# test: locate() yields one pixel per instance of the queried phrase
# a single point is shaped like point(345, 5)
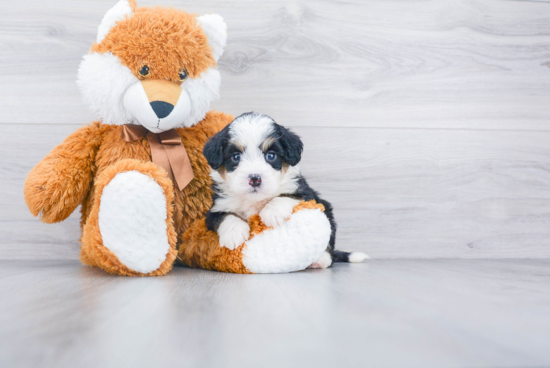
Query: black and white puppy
point(255, 170)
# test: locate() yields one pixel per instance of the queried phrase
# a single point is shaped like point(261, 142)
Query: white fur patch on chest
point(240, 205)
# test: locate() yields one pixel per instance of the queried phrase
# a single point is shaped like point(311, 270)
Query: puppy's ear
point(292, 145)
point(213, 149)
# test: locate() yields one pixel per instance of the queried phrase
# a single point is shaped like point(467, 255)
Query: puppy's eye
point(144, 71)
point(271, 156)
point(183, 75)
point(236, 157)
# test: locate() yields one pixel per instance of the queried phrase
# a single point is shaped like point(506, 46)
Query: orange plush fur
point(93, 251)
point(97, 151)
point(76, 171)
point(165, 39)
point(202, 248)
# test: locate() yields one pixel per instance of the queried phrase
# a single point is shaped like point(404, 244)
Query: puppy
point(255, 170)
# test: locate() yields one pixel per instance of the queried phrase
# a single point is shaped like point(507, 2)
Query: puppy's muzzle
point(254, 180)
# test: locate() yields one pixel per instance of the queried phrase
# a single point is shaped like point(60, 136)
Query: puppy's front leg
point(278, 210)
point(232, 231)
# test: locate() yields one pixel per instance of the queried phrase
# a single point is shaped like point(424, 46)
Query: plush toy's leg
point(291, 246)
point(129, 230)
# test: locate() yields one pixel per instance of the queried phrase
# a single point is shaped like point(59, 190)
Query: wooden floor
point(384, 313)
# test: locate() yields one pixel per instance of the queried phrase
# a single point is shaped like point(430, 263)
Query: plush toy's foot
point(292, 246)
point(130, 230)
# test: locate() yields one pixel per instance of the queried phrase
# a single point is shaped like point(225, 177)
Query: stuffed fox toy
point(138, 172)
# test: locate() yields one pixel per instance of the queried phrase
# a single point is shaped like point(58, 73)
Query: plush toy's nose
point(162, 109)
point(162, 95)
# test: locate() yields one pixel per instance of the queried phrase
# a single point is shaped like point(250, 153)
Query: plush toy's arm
point(57, 185)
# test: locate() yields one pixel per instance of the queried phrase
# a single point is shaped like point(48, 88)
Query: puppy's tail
point(352, 257)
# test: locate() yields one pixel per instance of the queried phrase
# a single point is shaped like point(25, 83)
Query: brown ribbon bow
point(167, 151)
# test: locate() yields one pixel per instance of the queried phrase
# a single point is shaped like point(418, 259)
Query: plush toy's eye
point(270, 156)
point(183, 75)
point(144, 71)
point(236, 157)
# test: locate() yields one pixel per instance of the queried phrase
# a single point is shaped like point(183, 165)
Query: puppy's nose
point(254, 180)
point(162, 109)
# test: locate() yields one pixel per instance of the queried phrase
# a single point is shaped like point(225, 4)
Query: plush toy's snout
point(162, 109)
point(158, 105)
point(162, 95)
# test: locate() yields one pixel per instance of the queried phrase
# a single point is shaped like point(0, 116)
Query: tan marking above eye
point(239, 145)
point(267, 143)
point(161, 90)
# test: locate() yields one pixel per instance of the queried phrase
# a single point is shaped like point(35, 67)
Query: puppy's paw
point(232, 232)
point(324, 261)
point(278, 210)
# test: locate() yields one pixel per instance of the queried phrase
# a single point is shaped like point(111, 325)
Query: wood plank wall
point(426, 123)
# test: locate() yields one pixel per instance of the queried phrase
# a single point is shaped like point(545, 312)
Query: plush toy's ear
point(213, 149)
point(215, 29)
point(116, 13)
point(292, 145)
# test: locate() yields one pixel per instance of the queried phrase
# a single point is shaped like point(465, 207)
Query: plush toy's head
point(153, 66)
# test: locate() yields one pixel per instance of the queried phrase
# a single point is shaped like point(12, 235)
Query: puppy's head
point(254, 157)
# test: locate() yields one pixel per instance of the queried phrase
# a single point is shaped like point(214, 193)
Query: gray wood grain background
point(426, 123)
